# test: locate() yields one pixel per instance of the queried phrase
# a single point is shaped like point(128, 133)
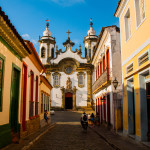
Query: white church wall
point(68, 54)
point(81, 94)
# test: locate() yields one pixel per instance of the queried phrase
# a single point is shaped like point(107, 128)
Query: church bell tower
point(90, 41)
point(46, 45)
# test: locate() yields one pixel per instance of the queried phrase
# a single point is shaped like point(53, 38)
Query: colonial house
point(45, 98)
point(134, 16)
point(30, 112)
point(107, 68)
point(12, 51)
point(69, 73)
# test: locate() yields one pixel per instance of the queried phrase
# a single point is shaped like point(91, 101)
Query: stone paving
point(67, 134)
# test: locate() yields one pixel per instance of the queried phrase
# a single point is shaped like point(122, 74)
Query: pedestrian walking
point(92, 119)
point(45, 116)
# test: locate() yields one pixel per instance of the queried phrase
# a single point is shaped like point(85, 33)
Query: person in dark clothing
point(92, 119)
point(45, 116)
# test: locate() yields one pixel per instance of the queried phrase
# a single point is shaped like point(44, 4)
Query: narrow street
point(68, 135)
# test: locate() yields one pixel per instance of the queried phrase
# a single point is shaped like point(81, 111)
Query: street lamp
point(115, 83)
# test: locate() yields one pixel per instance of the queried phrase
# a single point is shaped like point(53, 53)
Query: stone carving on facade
point(69, 84)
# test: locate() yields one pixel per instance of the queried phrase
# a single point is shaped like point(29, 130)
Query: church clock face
point(68, 70)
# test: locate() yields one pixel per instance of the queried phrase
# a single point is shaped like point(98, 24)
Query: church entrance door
point(68, 101)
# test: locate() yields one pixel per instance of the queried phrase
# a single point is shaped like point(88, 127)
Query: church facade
point(69, 73)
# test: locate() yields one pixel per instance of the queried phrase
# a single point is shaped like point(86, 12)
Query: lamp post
point(115, 83)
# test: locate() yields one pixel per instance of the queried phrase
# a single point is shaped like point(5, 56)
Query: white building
point(68, 72)
point(107, 67)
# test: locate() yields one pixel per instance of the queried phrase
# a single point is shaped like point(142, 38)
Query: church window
point(140, 11)
point(56, 79)
point(81, 77)
point(85, 52)
point(43, 52)
point(52, 52)
point(68, 70)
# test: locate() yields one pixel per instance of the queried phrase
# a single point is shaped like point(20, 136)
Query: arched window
point(103, 63)
point(52, 52)
point(43, 52)
point(85, 52)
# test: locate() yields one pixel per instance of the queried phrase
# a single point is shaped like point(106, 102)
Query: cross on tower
point(68, 33)
point(91, 23)
point(47, 24)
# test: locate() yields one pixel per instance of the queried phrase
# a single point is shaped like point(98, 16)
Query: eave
point(11, 36)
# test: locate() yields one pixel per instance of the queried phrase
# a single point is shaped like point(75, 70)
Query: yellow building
point(134, 16)
point(31, 69)
point(12, 50)
point(45, 99)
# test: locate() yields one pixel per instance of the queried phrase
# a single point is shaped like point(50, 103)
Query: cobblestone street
point(68, 135)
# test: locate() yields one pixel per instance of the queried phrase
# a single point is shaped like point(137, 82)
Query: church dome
point(47, 32)
point(91, 31)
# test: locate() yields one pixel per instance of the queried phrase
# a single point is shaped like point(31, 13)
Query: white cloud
point(76, 41)
point(67, 2)
point(27, 37)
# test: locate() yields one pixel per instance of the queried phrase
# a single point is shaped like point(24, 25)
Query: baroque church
point(69, 73)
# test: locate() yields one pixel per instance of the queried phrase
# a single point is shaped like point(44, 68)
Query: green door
point(14, 100)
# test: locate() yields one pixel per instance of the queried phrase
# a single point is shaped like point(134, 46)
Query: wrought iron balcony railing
point(104, 77)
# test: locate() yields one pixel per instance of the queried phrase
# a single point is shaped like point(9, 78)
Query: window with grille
point(81, 77)
point(31, 112)
point(144, 58)
point(1, 80)
point(56, 79)
point(127, 20)
point(41, 102)
point(140, 11)
point(130, 68)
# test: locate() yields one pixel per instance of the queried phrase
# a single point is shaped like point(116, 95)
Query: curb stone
point(38, 137)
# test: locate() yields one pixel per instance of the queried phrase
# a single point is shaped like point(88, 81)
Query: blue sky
point(28, 17)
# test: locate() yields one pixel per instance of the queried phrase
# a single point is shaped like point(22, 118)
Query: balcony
point(102, 82)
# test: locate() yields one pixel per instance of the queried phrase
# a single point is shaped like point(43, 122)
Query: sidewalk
point(25, 143)
point(117, 141)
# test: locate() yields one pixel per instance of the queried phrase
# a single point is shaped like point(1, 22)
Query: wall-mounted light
point(115, 83)
point(30, 73)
